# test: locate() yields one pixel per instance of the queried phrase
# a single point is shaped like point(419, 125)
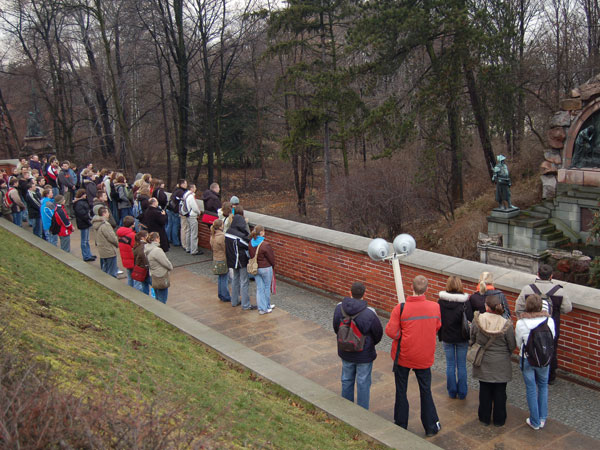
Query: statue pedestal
point(505, 213)
point(36, 144)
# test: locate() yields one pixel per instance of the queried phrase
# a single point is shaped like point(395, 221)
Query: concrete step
point(535, 214)
point(553, 236)
point(558, 243)
point(544, 229)
point(542, 210)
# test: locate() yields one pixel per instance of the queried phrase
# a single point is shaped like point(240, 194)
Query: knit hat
point(59, 198)
point(234, 200)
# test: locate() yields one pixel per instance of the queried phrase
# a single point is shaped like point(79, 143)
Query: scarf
point(257, 240)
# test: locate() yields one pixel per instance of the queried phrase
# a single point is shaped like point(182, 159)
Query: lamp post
point(379, 250)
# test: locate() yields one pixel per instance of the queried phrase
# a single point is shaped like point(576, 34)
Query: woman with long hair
point(217, 243)
point(485, 287)
point(160, 267)
point(265, 258)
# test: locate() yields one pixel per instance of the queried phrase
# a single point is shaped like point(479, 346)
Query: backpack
point(137, 210)
point(548, 297)
point(539, 348)
point(6, 200)
point(173, 204)
point(54, 225)
point(349, 337)
point(128, 193)
point(183, 208)
point(252, 267)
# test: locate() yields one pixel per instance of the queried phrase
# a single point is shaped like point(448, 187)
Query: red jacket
point(66, 227)
point(421, 319)
point(126, 241)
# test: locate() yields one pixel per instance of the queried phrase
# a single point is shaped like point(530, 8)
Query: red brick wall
point(333, 269)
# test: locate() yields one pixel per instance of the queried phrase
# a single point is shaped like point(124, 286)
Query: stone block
point(591, 178)
point(571, 104)
point(561, 119)
point(570, 176)
point(548, 186)
point(556, 137)
point(553, 156)
point(548, 168)
point(575, 93)
point(588, 91)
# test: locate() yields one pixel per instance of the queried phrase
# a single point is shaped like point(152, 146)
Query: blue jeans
point(65, 243)
point(144, 286)
point(51, 238)
point(37, 226)
point(240, 281)
point(362, 373)
point(109, 266)
point(173, 227)
point(429, 417)
point(86, 252)
point(55, 192)
point(223, 288)
point(18, 218)
point(263, 289)
point(456, 369)
point(124, 213)
point(161, 295)
point(536, 384)
point(130, 280)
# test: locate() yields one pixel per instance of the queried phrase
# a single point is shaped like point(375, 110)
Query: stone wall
point(332, 260)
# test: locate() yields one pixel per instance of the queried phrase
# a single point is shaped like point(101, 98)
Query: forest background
point(373, 117)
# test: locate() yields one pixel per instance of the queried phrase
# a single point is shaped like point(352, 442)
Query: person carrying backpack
point(535, 336)
point(558, 303)
point(357, 365)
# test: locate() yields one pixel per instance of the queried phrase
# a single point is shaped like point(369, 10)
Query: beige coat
point(160, 265)
point(496, 366)
point(217, 242)
point(107, 242)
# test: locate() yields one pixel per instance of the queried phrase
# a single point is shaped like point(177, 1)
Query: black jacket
point(154, 220)
point(236, 243)
point(176, 197)
point(33, 202)
point(160, 195)
point(212, 202)
point(451, 308)
point(91, 191)
point(82, 210)
point(367, 322)
point(478, 302)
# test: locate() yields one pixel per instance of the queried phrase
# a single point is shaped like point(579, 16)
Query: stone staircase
point(545, 232)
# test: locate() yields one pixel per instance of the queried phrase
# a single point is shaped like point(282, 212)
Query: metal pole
point(398, 278)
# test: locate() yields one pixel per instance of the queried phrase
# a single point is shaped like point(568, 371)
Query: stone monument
point(35, 140)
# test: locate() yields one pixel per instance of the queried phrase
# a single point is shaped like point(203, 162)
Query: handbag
point(465, 330)
point(476, 352)
point(160, 282)
point(220, 267)
point(139, 273)
point(209, 217)
point(252, 266)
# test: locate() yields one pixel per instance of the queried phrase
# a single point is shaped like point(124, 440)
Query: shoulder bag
point(476, 352)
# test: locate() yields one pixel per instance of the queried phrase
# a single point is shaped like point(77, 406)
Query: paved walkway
point(298, 335)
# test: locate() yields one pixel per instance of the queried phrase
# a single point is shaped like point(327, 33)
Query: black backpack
point(539, 348)
point(349, 337)
point(54, 225)
point(551, 300)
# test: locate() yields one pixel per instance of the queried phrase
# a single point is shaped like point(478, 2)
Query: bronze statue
point(583, 152)
point(502, 179)
point(34, 128)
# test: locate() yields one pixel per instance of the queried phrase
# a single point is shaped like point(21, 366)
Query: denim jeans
point(51, 238)
point(263, 292)
point(65, 243)
point(18, 218)
point(240, 282)
point(86, 252)
point(362, 373)
point(224, 295)
point(37, 226)
point(109, 266)
point(144, 286)
point(129, 279)
point(55, 192)
point(173, 227)
point(536, 384)
point(161, 295)
point(429, 416)
point(456, 368)
point(124, 213)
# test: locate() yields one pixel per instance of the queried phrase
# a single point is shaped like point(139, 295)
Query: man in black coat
point(236, 247)
point(210, 197)
point(155, 220)
point(358, 365)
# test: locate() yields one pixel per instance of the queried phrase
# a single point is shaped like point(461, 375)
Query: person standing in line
point(536, 378)
point(192, 220)
point(4, 207)
point(485, 288)
point(124, 202)
point(66, 227)
point(102, 200)
point(211, 199)
point(174, 222)
point(217, 243)
point(155, 220)
point(34, 203)
point(413, 327)
point(107, 242)
point(126, 236)
point(357, 366)
point(158, 192)
point(160, 267)
point(140, 260)
point(83, 218)
point(236, 245)
point(13, 199)
point(495, 371)
point(266, 265)
point(47, 212)
point(453, 302)
point(560, 303)
point(66, 184)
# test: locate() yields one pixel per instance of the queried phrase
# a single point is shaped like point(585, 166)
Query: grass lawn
point(99, 344)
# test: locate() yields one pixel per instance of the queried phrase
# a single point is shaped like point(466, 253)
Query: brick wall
point(333, 269)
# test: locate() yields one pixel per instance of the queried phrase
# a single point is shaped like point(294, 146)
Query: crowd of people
point(480, 325)
point(138, 221)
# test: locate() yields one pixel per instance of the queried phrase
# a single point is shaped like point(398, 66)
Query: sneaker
point(199, 252)
point(542, 423)
point(271, 306)
point(120, 272)
point(436, 431)
point(268, 311)
point(251, 308)
point(528, 422)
